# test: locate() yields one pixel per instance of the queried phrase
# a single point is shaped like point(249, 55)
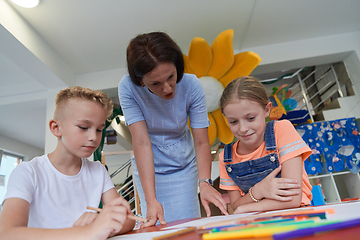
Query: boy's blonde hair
point(77, 92)
point(246, 87)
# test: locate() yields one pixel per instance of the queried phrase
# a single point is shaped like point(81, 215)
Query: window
point(8, 162)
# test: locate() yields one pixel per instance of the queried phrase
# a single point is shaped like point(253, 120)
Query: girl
point(264, 169)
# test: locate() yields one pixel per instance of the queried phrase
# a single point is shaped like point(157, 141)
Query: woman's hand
point(154, 212)
point(208, 194)
point(280, 189)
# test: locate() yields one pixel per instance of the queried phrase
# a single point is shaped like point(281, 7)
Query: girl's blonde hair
point(77, 92)
point(246, 87)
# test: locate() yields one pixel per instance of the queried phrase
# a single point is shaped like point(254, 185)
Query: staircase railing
point(125, 189)
point(323, 88)
point(125, 165)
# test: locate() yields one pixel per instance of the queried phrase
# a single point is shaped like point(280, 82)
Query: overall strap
point(228, 153)
point(269, 137)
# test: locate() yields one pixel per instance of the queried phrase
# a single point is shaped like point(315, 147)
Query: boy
point(47, 197)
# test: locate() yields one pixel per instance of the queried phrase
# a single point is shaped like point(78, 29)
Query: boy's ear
point(54, 127)
point(268, 109)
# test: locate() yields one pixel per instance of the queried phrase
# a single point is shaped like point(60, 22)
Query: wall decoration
point(216, 66)
point(335, 145)
point(281, 102)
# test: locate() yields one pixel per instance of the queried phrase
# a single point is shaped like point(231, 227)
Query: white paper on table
point(144, 235)
point(207, 220)
point(175, 228)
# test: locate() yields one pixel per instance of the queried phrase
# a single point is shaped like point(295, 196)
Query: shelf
point(329, 174)
point(338, 185)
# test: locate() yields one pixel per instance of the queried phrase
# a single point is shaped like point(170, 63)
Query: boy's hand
point(280, 189)
point(110, 220)
point(85, 219)
point(88, 217)
point(121, 201)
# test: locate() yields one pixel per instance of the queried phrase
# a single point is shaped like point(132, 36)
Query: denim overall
point(247, 174)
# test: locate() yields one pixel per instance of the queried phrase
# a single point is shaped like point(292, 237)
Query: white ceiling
point(85, 37)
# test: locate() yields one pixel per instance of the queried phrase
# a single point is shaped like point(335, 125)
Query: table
point(346, 210)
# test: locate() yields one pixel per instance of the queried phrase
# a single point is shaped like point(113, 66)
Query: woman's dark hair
point(146, 51)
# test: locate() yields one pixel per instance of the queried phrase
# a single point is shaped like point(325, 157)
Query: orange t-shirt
point(289, 144)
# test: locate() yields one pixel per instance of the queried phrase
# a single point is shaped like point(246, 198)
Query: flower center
point(213, 90)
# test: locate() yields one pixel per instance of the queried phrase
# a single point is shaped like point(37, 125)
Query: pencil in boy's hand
point(140, 219)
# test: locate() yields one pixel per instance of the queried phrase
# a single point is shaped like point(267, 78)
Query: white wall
point(352, 64)
point(307, 52)
point(19, 148)
point(57, 73)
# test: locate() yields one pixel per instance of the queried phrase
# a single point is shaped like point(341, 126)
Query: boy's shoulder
point(42, 162)
point(26, 173)
point(92, 163)
point(93, 166)
point(36, 162)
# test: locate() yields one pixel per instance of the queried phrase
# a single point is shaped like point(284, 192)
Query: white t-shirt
point(57, 200)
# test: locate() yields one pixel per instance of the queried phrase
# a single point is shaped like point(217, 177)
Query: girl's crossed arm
point(276, 193)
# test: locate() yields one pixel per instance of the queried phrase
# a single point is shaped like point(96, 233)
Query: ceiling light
point(26, 3)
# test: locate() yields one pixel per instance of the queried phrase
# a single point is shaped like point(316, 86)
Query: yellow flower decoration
point(216, 66)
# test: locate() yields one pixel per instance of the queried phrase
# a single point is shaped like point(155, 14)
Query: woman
point(157, 99)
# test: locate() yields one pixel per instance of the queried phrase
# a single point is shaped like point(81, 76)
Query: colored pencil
point(128, 216)
point(270, 223)
point(267, 231)
point(250, 224)
point(318, 229)
point(295, 213)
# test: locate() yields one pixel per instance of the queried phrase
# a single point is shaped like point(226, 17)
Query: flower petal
point(187, 68)
point(212, 130)
point(223, 54)
point(244, 64)
point(200, 56)
point(224, 133)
